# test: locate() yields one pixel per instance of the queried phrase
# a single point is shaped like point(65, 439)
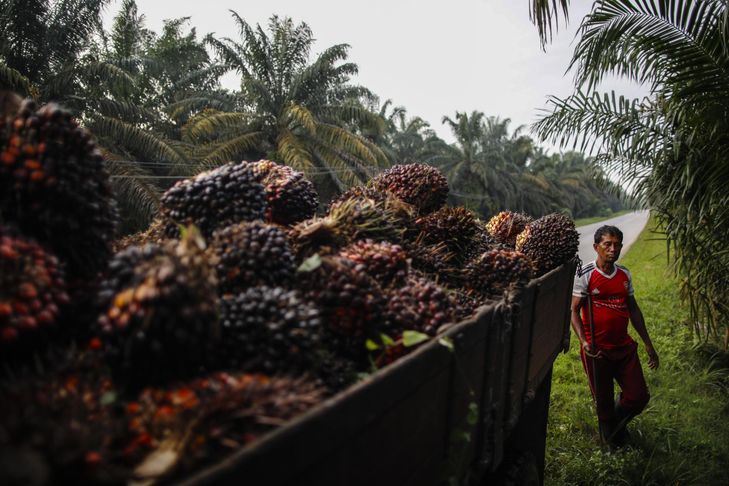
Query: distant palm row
point(155, 102)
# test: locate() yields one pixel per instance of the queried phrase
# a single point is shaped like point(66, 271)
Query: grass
point(682, 437)
point(597, 219)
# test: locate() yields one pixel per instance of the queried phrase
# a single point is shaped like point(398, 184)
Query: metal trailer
point(437, 416)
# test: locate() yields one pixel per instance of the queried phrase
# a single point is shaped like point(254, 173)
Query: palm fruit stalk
point(54, 188)
point(351, 220)
point(549, 241)
point(199, 422)
point(214, 199)
point(250, 254)
point(291, 197)
point(269, 329)
point(496, 271)
point(32, 292)
point(423, 186)
point(159, 312)
point(154, 234)
point(385, 262)
point(351, 303)
point(505, 226)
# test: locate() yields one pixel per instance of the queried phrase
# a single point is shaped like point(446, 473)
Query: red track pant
point(621, 365)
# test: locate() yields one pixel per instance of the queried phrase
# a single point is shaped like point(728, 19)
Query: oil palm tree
point(672, 145)
point(290, 108)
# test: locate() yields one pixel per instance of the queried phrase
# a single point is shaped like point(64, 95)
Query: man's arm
point(576, 322)
point(636, 317)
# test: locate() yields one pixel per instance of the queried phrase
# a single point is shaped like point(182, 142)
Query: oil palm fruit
point(423, 186)
point(159, 314)
point(505, 226)
point(215, 199)
point(419, 305)
point(291, 197)
point(54, 188)
point(455, 226)
point(269, 329)
point(498, 270)
point(385, 262)
point(154, 234)
point(32, 289)
point(351, 303)
point(250, 254)
point(549, 241)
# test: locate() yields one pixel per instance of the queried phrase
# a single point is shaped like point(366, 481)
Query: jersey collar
point(597, 269)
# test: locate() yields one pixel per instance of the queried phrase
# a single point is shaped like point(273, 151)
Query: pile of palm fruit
point(238, 309)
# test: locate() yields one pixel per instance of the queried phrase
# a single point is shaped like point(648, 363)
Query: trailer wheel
point(522, 471)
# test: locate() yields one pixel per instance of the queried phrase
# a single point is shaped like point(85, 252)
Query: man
point(604, 291)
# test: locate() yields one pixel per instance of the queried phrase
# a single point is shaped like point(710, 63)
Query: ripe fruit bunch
point(549, 241)
point(385, 262)
point(54, 187)
point(455, 226)
point(505, 226)
point(215, 199)
point(159, 316)
point(250, 254)
point(351, 303)
point(59, 426)
point(210, 417)
point(419, 305)
point(351, 220)
point(32, 287)
point(479, 243)
point(423, 186)
point(498, 270)
point(291, 197)
point(268, 329)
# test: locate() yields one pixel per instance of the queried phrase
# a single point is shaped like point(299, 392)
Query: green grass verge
point(683, 435)
point(597, 219)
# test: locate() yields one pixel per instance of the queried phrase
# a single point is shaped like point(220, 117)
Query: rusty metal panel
point(523, 302)
point(467, 406)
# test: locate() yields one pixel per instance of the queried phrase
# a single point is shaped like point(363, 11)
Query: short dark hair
point(607, 230)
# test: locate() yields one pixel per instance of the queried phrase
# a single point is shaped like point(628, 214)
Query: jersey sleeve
point(580, 286)
point(629, 288)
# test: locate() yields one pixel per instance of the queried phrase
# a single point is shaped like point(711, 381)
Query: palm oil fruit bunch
point(210, 417)
point(54, 188)
point(549, 241)
point(250, 254)
point(351, 220)
point(385, 262)
point(215, 199)
point(291, 197)
point(505, 226)
point(32, 288)
point(268, 329)
point(455, 226)
point(159, 313)
point(423, 186)
point(419, 305)
point(497, 270)
point(350, 301)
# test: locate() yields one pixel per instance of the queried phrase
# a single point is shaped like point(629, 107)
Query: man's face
point(608, 250)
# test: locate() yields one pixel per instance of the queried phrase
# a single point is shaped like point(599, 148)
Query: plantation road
point(630, 224)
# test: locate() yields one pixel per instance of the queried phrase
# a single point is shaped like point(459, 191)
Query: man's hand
point(652, 357)
point(589, 351)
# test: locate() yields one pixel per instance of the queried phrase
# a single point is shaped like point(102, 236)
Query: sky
point(432, 57)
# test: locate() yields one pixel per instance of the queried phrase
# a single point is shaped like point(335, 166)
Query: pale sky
point(432, 57)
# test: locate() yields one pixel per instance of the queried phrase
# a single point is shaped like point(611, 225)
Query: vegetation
point(679, 438)
point(155, 103)
point(671, 145)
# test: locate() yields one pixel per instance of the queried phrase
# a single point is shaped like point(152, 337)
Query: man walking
point(603, 293)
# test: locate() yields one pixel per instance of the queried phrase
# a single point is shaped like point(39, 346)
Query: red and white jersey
point(609, 304)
